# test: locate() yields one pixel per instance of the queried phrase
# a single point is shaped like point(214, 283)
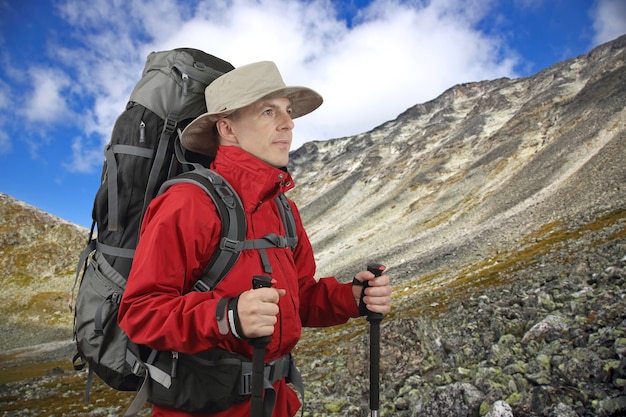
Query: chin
point(279, 163)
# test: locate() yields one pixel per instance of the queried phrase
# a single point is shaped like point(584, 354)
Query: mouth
point(282, 143)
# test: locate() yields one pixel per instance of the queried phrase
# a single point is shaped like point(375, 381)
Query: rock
point(561, 410)
point(500, 409)
point(547, 329)
point(612, 406)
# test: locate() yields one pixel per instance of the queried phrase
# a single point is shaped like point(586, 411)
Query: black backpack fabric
point(144, 158)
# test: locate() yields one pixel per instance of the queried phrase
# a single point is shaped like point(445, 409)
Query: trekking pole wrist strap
point(221, 315)
point(228, 318)
point(362, 306)
point(233, 319)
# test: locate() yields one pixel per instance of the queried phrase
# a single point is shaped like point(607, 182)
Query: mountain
point(499, 208)
point(472, 171)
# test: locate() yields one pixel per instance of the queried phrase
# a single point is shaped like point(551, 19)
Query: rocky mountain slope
point(37, 265)
point(484, 163)
point(499, 208)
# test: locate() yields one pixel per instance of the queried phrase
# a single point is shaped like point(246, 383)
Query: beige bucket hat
point(237, 89)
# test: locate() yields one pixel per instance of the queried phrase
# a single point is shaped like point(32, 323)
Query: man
point(248, 130)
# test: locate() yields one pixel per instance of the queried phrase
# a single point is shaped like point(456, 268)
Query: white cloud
point(396, 54)
point(609, 20)
point(46, 102)
point(85, 156)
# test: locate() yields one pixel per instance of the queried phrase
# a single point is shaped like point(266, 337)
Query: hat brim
point(199, 136)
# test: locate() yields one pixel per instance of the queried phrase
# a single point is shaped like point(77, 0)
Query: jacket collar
point(254, 180)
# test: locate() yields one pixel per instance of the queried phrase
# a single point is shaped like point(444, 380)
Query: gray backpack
point(139, 158)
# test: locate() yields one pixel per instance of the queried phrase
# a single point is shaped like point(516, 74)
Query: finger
point(382, 297)
point(260, 330)
point(364, 276)
point(258, 302)
point(380, 281)
point(382, 291)
point(383, 309)
point(268, 295)
point(378, 303)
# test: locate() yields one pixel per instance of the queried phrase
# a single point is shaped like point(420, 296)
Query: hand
point(377, 296)
point(257, 310)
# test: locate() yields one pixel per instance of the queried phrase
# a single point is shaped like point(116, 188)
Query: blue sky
point(67, 66)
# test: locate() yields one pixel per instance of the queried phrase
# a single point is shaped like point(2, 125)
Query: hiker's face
point(264, 129)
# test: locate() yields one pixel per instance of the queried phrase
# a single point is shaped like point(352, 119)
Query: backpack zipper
point(142, 132)
point(185, 82)
point(174, 364)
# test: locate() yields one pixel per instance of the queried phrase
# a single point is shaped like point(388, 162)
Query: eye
point(268, 112)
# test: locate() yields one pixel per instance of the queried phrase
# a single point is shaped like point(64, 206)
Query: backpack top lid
point(166, 73)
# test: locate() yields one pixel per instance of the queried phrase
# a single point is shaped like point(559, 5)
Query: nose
point(286, 121)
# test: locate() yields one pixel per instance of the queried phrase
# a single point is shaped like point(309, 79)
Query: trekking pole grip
point(261, 281)
point(377, 270)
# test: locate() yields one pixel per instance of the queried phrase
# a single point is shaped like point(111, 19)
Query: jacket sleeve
point(179, 229)
point(324, 302)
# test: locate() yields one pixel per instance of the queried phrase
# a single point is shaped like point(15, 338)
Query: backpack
point(143, 158)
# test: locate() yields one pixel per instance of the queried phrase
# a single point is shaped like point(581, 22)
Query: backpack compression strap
point(109, 152)
point(169, 126)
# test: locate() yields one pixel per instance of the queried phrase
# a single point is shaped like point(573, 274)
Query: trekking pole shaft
point(374, 365)
point(256, 382)
point(374, 319)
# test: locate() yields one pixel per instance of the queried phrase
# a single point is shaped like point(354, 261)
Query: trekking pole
point(374, 319)
point(258, 357)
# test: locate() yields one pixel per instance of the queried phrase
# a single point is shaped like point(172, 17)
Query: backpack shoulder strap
point(286, 214)
point(233, 221)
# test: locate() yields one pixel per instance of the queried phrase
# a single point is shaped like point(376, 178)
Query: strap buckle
point(274, 371)
point(245, 387)
point(200, 286)
point(229, 244)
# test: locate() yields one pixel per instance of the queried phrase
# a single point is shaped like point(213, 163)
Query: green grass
point(66, 392)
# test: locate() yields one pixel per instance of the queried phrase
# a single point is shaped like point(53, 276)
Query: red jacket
point(180, 231)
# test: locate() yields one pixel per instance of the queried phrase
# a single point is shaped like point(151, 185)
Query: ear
point(226, 132)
